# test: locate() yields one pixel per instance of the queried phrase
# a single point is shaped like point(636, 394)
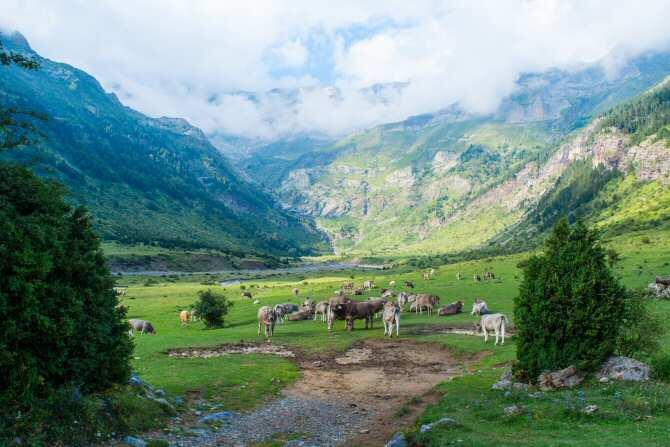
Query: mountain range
point(155, 181)
point(453, 181)
point(586, 143)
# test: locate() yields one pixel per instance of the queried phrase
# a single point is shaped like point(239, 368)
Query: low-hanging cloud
point(251, 68)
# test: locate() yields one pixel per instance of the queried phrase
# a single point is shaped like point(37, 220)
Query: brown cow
point(425, 276)
point(184, 317)
point(451, 309)
point(425, 301)
point(376, 304)
point(356, 310)
point(359, 291)
point(409, 284)
point(247, 295)
point(336, 309)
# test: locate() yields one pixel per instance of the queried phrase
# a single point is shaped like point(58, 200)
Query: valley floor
point(358, 389)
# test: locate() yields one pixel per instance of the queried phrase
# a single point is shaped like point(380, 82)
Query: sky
point(219, 64)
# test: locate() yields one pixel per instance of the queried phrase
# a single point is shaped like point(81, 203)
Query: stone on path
point(398, 440)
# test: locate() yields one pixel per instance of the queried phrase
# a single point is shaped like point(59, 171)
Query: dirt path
point(358, 398)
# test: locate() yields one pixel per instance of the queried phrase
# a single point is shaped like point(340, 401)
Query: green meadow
point(243, 382)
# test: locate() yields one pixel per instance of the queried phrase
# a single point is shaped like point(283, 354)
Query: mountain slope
point(144, 180)
point(451, 181)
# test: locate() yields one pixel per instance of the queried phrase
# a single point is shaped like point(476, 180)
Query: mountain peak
point(14, 40)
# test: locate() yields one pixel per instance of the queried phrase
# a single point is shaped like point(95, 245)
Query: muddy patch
point(359, 397)
point(231, 349)
point(465, 329)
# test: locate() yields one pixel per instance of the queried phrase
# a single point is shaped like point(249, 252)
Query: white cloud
point(170, 57)
point(292, 54)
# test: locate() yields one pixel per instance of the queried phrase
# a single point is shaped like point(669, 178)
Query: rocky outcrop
point(624, 368)
point(565, 378)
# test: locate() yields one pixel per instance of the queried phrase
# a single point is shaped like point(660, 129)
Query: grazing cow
point(459, 276)
point(336, 309)
point(369, 284)
point(321, 309)
point(403, 299)
point(392, 283)
point(425, 301)
point(432, 272)
point(356, 310)
point(451, 309)
point(281, 311)
point(184, 317)
point(489, 275)
point(247, 295)
point(388, 294)
point(359, 291)
point(120, 291)
point(391, 317)
point(296, 291)
point(348, 285)
point(479, 307)
point(477, 278)
point(141, 326)
point(409, 284)
point(425, 276)
point(267, 317)
point(496, 323)
point(376, 304)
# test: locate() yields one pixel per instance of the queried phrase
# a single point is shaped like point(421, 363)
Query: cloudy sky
point(214, 62)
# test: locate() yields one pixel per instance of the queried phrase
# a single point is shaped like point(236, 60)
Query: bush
point(660, 367)
point(569, 306)
point(640, 330)
point(212, 307)
point(61, 327)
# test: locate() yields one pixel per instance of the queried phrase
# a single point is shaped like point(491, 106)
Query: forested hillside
point(145, 180)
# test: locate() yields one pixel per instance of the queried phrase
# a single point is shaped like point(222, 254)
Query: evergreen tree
point(569, 305)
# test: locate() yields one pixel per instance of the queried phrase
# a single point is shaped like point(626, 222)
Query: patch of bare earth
point(376, 379)
point(360, 397)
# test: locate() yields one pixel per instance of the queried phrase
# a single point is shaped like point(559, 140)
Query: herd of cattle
point(341, 306)
point(388, 307)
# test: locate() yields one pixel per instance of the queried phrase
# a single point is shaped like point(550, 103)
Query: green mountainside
point(145, 180)
point(451, 181)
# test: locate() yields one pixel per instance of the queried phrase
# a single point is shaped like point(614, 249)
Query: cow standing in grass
point(141, 326)
point(267, 317)
point(391, 317)
point(496, 323)
point(184, 317)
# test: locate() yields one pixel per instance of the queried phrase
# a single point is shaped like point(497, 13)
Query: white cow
point(479, 307)
point(496, 323)
point(391, 317)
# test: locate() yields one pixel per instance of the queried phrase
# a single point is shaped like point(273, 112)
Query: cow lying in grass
point(479, 307)
point(451, 309)
point(496, 323)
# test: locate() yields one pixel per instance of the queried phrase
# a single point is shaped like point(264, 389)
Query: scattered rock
point(217, 417)
point(624, 368)
point(135, 380)
point(444, 421)
point(513, 410)
point(564, 378)
point(536, 395)
point(297, 443)
point(179, 401)
point(165, 405)
point(134, 442)
point(507, 381)
point(398, 440)
point(659, 290)
point(159, 393)
point(257, 301)
point(604, 379)
point(590, 409)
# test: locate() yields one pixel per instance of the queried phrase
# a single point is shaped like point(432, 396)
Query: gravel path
point(317, 422)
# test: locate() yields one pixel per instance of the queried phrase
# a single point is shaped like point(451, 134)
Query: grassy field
point(629, 413)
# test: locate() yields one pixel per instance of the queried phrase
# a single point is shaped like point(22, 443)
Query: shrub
point(569, 305)
point(61, 327)
point(640, 330)
point(212, 307)
point(660, 367)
